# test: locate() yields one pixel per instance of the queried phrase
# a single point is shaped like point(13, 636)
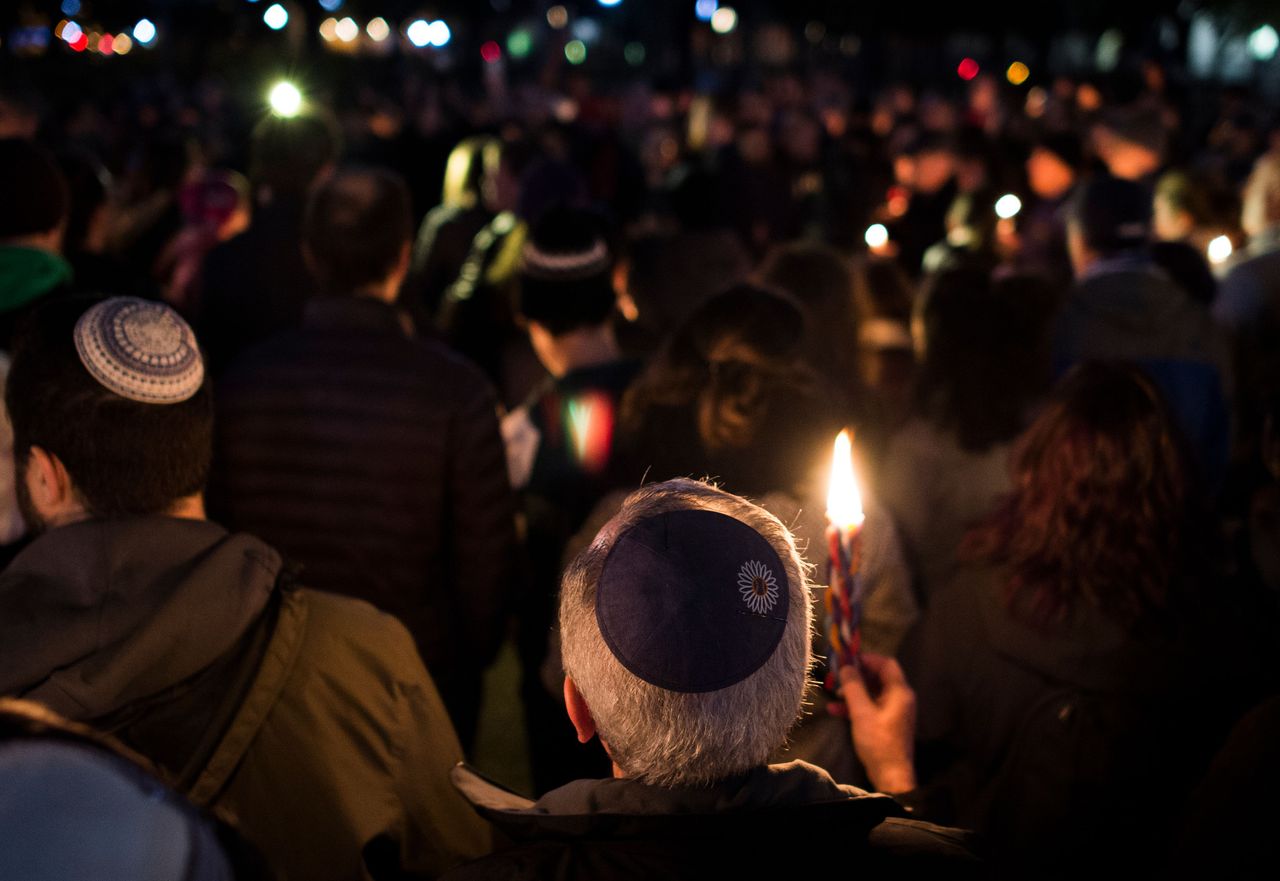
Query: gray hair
point(669, 738)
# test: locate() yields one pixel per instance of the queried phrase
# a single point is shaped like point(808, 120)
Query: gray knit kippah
point(537, 262)
point(140, 350)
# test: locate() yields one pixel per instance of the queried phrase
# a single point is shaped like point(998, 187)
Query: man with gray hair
point(686, 629)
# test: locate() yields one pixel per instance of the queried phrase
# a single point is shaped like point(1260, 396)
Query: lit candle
point(844, 592)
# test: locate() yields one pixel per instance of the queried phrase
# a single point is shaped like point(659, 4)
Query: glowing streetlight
point(877, 236)
point(378, 29)
point(144, 31)
point(1264, 42)
point(347, 30)
point(724, 20)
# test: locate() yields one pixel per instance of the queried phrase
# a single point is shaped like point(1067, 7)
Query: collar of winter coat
point(773, 800)
point(356, 313)
point(29, 273)
point(98, 614)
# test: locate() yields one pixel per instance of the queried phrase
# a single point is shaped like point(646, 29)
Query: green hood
point(27, 274)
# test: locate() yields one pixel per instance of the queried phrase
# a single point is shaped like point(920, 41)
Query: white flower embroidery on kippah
point(758, 587)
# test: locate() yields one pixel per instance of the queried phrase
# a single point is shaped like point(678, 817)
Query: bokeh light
point(1008, 206)
point(347, 30)
point(1220, 250)
point(520, 43)
point(419, 33)
point(877, 235)
point(70, 32)
point(123, 44)
point(331, 5)
point(378, 29)
point(276, 17)
point(1263, 42)
point(704, 9)
point(557, 17)
point(724, 19)
point(438, 34)
point(491, 52)
point(285, 99)
point(144, 31)
point(575, 51)
point(1017, 73)
point(634, 53)
point(967, 69)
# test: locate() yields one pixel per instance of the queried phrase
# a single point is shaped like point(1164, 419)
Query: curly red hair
point(1099, 508)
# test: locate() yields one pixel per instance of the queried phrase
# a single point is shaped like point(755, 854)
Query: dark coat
point(765, 824)
point(1061, 744)
point(374, 460)
point(307, 718)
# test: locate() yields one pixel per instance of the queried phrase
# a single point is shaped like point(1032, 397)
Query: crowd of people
point(291, 453)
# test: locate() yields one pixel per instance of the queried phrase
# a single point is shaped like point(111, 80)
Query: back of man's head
point(33, 191)
point(685, 626)
point(288, 155)
point(357, 226)
point(115, 390)
point(566, 272)
point(1111, 215)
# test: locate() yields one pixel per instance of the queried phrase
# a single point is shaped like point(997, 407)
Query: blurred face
point(1170, 223)
point(1048, 175)
point(933, 170)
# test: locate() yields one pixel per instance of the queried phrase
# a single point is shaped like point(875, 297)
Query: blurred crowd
point(441, 336)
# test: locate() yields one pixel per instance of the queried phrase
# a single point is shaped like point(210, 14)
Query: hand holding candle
point(844, 593)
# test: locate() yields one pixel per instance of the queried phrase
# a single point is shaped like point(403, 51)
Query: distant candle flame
point(844, 501)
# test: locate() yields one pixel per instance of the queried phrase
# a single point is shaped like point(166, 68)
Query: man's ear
point(579, 713)
point(49, 486)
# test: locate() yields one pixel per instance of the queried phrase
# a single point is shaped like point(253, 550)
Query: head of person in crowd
point(1131, 142)
point(357, 233)
point(287, 156)
point(566, 294)
point(37, 199)
point(33, 226)
point(1182, 209)
point(217, 202)
point(1100, 509)
point(89, 185)
point(934, 163)
point(1107, 217)
point(729, 361)
point(473, 162)
point(883, 299)
point(112, 413)
point(1261, 209)
point(820, 279)
point(975, 335)
point(685, 630)
point(1054, 166)
point(77, 805)
point(19, 112)
point(971, 232)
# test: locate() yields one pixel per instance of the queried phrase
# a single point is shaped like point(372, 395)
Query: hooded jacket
point(761, 824)
point(307, 719)
point(1061, 743)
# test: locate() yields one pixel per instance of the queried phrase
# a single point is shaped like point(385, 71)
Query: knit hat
point(140, 350)
point(566, 272)
point(33, 190)
point(692, 601)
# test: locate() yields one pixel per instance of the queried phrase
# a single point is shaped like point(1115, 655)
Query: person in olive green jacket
point(305, 718)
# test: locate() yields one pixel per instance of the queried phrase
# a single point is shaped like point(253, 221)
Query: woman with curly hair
point(1053, 673)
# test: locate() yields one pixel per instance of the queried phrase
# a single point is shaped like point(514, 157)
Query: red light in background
point(491, 52)
point(968, 69)
point(105, 44)
point(80, 43)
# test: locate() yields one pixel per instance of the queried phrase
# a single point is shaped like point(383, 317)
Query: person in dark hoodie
point(686, 629)
point(254, 285)
point(1125, 306)
point(308, 717)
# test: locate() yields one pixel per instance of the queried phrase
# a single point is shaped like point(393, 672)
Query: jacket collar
point(623, 807)
point(96, 615)
point(356, 313)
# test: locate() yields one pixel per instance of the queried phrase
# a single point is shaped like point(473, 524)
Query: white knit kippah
point(140, 350)
point(564, 265)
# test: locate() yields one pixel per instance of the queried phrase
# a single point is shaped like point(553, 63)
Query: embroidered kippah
point(564, 265)
point(140, 350)
point(692, 601)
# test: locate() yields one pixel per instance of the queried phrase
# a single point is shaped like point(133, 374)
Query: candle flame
point(844, 501)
